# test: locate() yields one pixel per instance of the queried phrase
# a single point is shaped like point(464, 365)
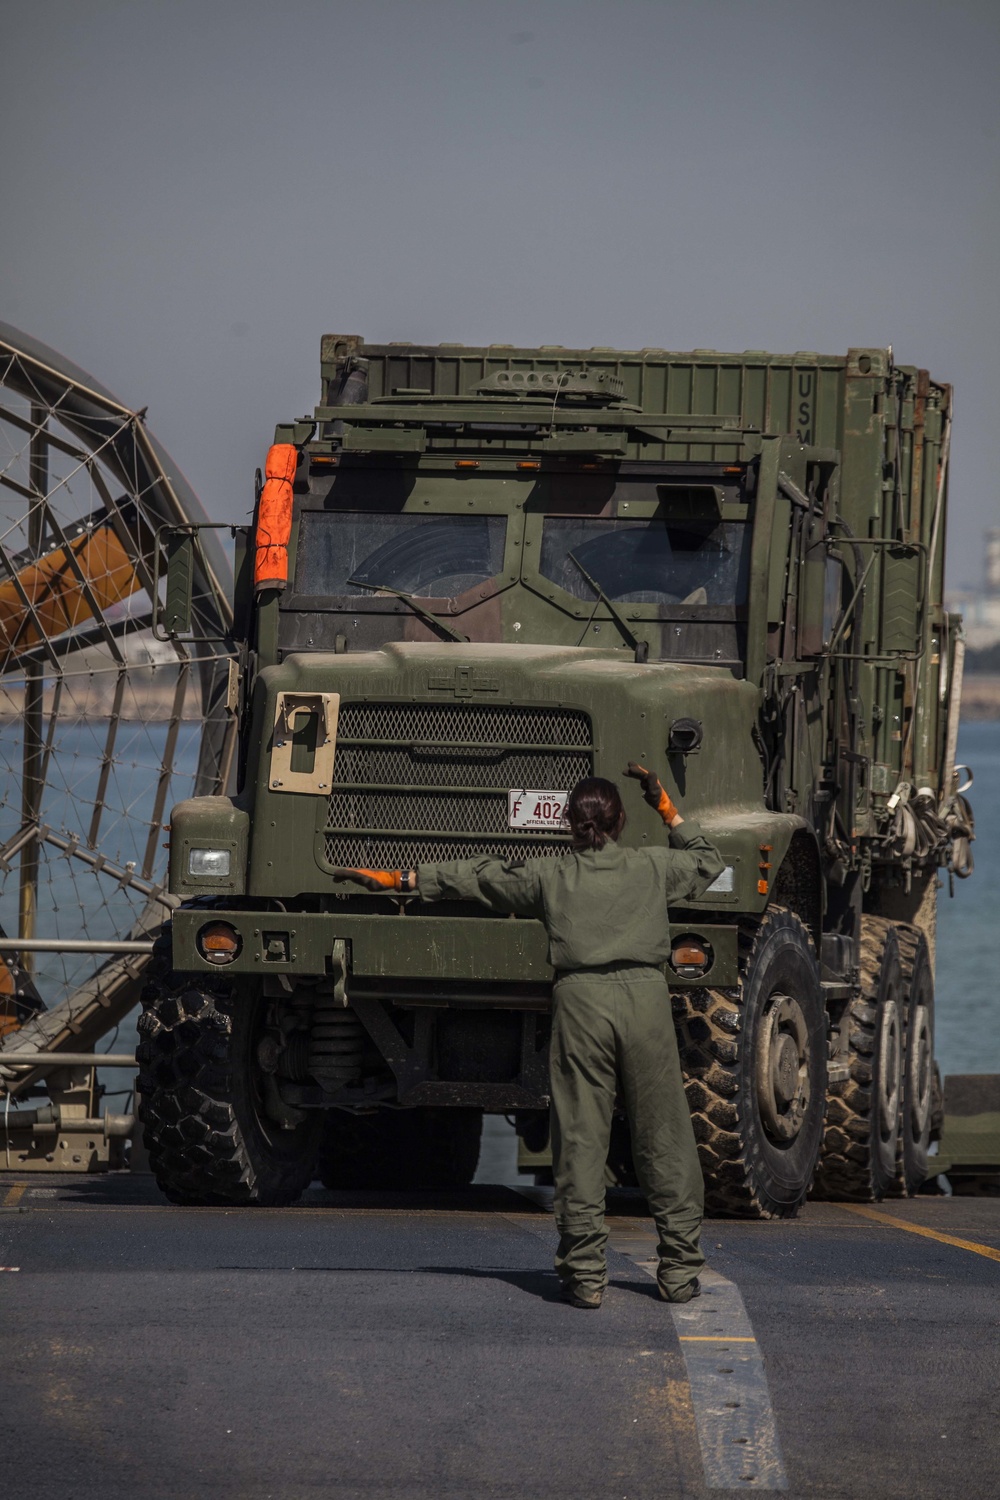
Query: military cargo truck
point(476, 575)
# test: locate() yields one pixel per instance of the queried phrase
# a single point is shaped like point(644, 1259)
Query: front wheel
point(754, 1061)
point(203, 1100)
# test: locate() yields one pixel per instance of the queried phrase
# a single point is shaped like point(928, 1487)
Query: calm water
point(968, 953)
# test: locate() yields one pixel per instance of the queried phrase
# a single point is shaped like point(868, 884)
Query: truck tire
point(861, 1144)
point(204, 1125)
point(917, 1115)
point(400, 1149)
point(754, 1061)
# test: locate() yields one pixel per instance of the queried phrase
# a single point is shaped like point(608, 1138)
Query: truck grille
point(429, 781)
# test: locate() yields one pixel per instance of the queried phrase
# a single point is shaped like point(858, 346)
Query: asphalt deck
point(413, 1347)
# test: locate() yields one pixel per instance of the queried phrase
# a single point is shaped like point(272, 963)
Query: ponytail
point(596, 813)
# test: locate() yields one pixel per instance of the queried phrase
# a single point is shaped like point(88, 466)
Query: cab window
point(434, 557)
point(656, 561)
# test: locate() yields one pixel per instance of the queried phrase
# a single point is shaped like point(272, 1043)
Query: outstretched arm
point(654, 793)
point(692, 862)
point(503, 886)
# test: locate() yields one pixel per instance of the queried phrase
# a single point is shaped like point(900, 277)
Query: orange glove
point(653, 791)
point(380, 880)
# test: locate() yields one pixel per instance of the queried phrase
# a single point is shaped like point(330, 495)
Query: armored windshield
point(433, 557)
point(658, 561)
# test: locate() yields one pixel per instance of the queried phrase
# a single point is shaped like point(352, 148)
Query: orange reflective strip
point(274, 518)
point(9, 1018)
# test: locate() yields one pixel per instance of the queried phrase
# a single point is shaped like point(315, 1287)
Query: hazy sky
point(195, 190)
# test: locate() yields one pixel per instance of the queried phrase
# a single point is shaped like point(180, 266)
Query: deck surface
point(413, 1348)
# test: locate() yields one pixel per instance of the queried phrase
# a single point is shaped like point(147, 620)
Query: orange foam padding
point(9, 1018)
point(274, 517)
point(57, 597)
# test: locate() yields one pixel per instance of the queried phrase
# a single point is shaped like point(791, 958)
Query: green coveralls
point(605, 912)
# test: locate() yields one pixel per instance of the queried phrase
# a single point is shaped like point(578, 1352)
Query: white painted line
point(737, 1432)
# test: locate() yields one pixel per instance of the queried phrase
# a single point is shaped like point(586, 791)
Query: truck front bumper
point(484, 950)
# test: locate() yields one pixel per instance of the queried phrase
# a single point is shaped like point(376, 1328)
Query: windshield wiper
point(641, 648)
point(434, 621)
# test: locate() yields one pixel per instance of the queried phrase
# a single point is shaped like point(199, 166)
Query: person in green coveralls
point(605, 912)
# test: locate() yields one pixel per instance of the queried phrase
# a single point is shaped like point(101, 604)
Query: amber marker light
point(219, 943)
point(689, 957)
point(467, 463)
point(528, 463)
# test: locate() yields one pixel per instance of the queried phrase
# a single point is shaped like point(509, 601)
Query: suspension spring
point(336, 1044)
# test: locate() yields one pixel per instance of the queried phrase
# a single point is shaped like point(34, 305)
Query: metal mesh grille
point(441, 766)
point(464, 723)
point(392, 853)
point(448, 773)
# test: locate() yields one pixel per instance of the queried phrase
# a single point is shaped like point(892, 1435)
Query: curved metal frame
point(112, 444)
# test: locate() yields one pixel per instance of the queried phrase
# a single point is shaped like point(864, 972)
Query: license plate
point(529, 809)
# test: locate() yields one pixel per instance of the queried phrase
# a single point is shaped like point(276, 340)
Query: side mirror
point(175, 619)
point(178, 558)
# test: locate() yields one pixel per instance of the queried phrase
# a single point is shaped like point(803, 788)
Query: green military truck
point(476, 575)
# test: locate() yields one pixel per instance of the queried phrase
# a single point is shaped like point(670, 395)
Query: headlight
point(722, 885)
point(208, 862)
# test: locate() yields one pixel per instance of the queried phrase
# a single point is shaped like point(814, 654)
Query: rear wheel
point(861, 1142)
point(755, 1066)
point(203, 1099)
point(918, 1059)
point(395, 1149)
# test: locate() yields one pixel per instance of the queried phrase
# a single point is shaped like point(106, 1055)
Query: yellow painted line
point(931, 1234)
point(15, 1194)
point(713, 1338)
